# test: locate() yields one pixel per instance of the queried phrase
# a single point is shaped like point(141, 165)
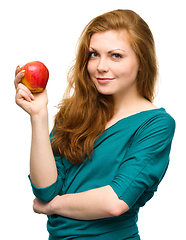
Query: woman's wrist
point(53, 205)
point(41, 116)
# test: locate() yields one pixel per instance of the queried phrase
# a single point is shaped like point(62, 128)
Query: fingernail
point(22, 72)
point(32, 96)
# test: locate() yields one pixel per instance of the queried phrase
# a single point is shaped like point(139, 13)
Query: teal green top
point(132, 157)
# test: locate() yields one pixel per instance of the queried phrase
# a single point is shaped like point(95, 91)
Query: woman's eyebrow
point(116, 50)
point(93, 49)
point(110, 50)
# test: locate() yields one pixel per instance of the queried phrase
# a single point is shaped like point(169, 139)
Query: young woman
point(109, 148)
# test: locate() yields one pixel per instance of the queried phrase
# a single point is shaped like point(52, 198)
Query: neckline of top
point(133, 115)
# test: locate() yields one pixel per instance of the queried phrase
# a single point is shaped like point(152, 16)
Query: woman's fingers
point(19, 76)
point(17, 70)
point(21, 90)
point(23, 93)
point(24, 88)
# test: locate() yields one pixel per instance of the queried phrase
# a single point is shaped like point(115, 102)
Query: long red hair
point(84, 112)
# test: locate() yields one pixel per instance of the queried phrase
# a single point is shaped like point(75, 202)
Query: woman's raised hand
point(32, 104)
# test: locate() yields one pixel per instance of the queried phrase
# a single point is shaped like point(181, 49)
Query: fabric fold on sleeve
point(48, 193)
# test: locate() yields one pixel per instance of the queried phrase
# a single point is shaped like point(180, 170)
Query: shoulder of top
point(163, 115)
point(162, 118)
point(158, 123)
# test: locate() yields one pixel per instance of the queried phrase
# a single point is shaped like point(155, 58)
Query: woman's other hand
point(41, 207)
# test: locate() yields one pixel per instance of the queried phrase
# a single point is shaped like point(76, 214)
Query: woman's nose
point(102, 65)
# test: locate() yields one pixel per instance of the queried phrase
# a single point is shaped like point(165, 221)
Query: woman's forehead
point(110, 39)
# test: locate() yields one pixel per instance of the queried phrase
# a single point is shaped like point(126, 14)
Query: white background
point(48, 31)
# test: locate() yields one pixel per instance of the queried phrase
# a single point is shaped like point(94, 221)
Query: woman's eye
point(116, 56)
point(93, 54)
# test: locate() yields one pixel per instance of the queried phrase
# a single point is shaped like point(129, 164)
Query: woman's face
point(113, 65)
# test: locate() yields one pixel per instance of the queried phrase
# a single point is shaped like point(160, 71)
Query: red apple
point(36, 76)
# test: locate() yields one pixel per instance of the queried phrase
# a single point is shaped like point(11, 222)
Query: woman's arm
point(93, 204)
point(43, 170)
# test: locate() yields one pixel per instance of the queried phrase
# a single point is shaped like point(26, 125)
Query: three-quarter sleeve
point(146, 160)
point(48, 193)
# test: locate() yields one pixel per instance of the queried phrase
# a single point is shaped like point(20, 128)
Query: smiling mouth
point(104, 80)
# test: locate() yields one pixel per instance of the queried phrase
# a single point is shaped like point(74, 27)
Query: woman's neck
point(127, 106)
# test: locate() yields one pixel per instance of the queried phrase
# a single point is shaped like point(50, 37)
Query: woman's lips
point(104, 80)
